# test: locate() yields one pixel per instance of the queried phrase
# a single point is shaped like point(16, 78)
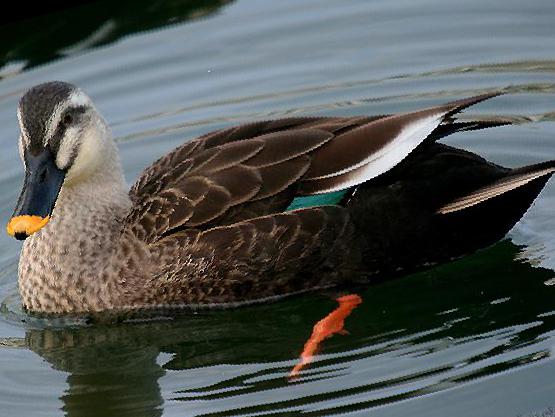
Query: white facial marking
point(87, 145)
point(67, 147)
point(21, 149)
point(76, 99)
point(24, 134)
point(52, 122)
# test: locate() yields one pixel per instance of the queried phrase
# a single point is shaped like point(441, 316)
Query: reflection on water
point(473, 337)
point(452, 332)
point(78, 29)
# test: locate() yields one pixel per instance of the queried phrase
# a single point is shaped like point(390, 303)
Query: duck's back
point(440, 204)
point(236, 216)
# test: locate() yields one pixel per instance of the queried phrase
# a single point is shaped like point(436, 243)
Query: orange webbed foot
point(331, 324)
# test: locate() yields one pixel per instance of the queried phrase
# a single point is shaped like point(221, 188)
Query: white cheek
point(89, 155)
point(67, 147)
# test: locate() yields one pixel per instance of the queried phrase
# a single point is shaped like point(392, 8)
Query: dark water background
point(471, 338)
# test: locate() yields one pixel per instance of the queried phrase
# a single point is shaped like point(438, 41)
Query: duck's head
point(62, 141)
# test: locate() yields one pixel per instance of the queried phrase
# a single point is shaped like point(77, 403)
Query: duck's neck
point(63, 265)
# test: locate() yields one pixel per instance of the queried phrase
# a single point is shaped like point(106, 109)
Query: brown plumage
point(210, 223)
point(200, 181)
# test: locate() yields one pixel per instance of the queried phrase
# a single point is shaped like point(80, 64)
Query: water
point(473, 337)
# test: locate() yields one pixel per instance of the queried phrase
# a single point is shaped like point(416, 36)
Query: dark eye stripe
point(56, 139)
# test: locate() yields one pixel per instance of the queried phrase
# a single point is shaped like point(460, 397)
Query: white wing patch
point(382, 161)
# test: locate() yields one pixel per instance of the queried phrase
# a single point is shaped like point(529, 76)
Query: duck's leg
point(331, 324)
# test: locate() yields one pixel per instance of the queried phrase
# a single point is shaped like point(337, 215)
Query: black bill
point(42, 184)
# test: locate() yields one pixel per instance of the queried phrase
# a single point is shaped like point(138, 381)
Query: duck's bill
point(42, 184)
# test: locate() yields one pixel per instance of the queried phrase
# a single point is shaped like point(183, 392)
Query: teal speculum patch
point(317, 200)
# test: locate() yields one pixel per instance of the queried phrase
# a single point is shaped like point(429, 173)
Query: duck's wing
point(153, 177)
point(257, 169)
point(256, 258)
point(373, 149)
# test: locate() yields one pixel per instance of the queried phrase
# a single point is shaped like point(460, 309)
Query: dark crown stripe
point(36, 107)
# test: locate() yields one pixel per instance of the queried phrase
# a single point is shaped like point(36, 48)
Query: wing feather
point(282, 146)
point(276, 178)
point(257, 169)
point(372, 149)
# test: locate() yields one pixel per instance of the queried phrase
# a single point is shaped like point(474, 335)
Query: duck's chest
point(66, 271)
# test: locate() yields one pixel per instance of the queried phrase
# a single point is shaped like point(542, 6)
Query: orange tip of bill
point(26, 224)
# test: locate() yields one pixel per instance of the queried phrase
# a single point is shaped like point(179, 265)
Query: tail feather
point(514, 180)
point(459, 105)
point(451, 127)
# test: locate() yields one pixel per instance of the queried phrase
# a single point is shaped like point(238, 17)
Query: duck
point(249, 213)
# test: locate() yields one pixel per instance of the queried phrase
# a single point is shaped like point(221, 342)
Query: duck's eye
point(68, 119)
